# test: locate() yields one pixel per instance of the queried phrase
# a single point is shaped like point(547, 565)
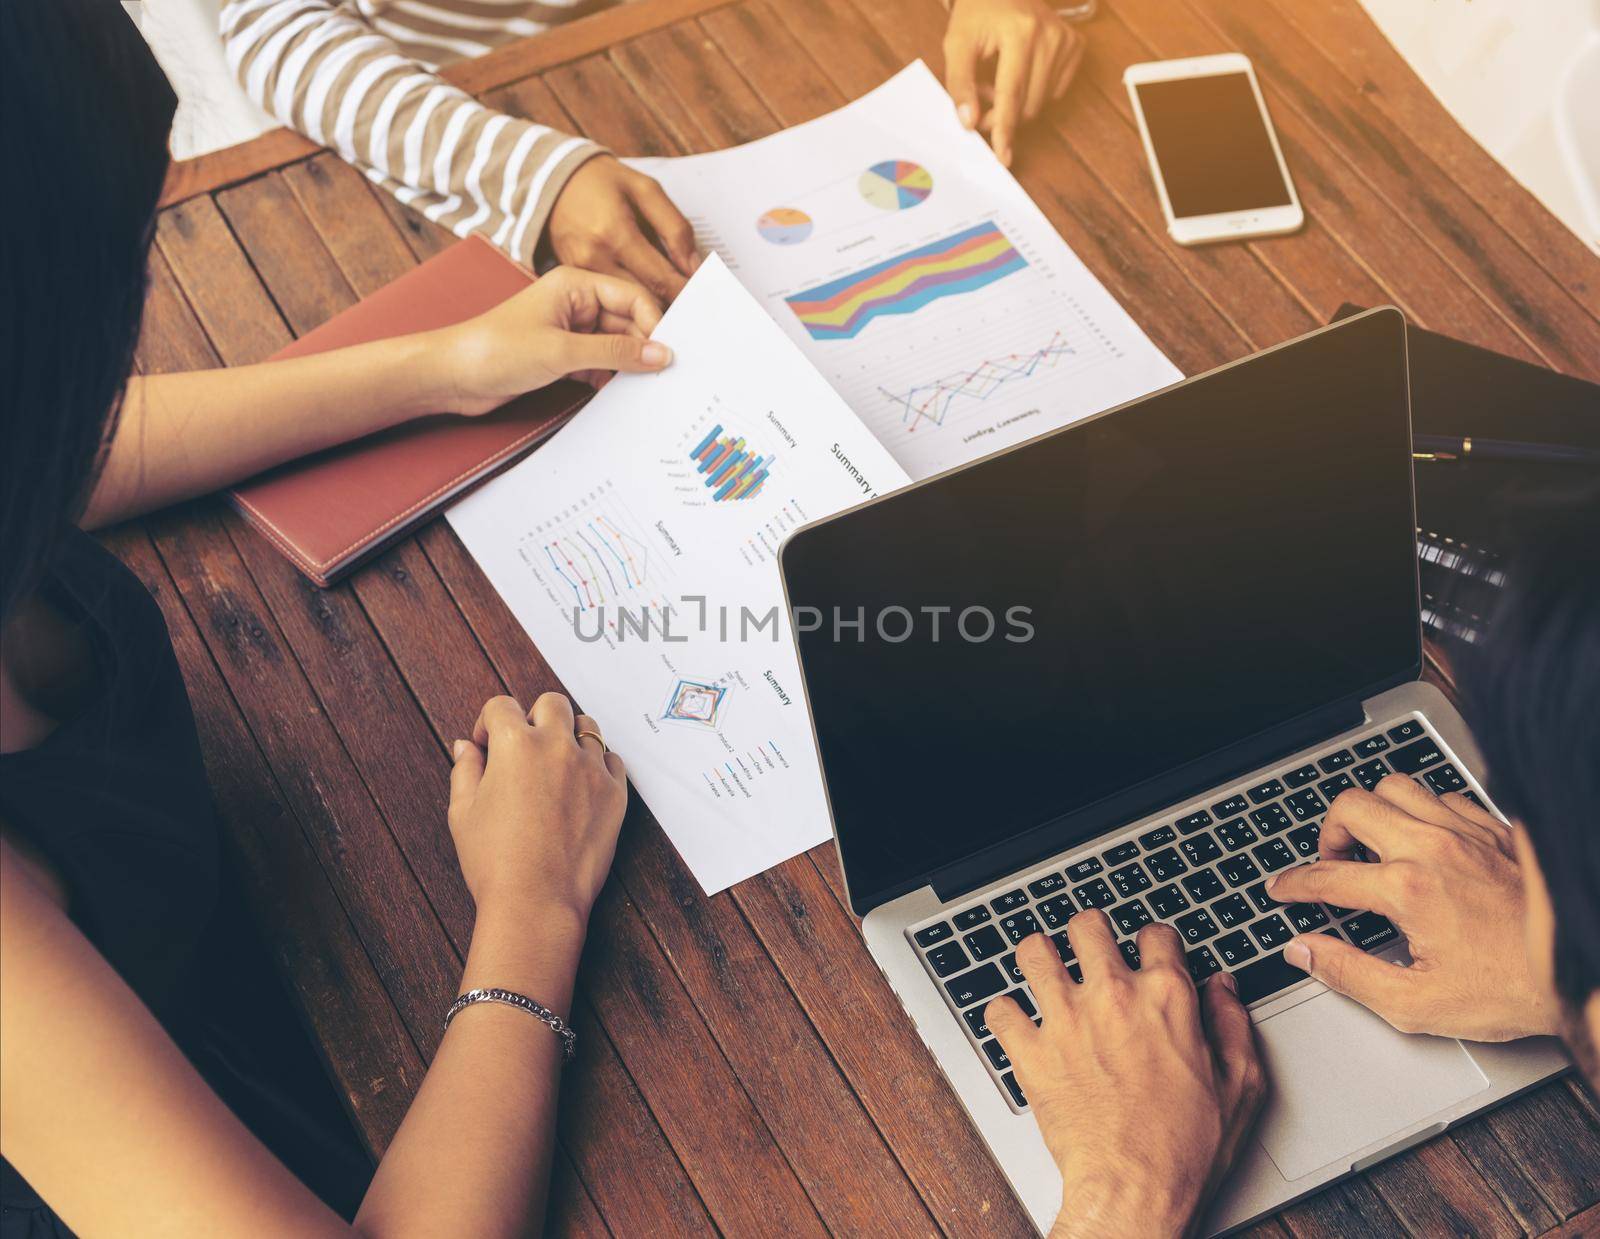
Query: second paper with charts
point(882, 302)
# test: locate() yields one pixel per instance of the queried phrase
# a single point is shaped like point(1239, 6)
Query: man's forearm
point(1127, 1223)
point(321, 69)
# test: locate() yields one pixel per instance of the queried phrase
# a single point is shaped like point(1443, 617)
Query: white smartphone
point(1218, 168)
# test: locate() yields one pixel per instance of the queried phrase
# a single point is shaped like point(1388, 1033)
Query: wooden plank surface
point(745, 1067)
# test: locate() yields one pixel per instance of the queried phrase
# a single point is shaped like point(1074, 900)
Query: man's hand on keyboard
point(1446, 873)
point(1143, 1088)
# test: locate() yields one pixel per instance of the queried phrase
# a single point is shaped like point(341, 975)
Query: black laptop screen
point(1056, 625)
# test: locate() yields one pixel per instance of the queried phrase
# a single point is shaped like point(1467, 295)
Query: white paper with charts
point(898, 262)
point(917, 275)
point(638, 549)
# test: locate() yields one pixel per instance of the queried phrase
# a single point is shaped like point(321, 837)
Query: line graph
point(597, 561)
point(593, 553)
point(982, 370)
point(930, 402)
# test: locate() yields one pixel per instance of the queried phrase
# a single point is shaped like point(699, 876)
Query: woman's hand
point(1447, 875)
point(1034, 53)
point(534, 811)
point(570, 322)
point(614, 220)
point(1143, 1089)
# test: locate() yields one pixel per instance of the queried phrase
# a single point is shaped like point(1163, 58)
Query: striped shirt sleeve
point(324, 71)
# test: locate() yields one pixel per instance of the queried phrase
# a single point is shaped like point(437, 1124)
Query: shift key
point(975, 986)
point(1264, 977)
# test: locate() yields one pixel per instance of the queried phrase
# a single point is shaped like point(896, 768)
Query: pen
point(1465, 447)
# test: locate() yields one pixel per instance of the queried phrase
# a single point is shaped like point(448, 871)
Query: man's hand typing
point(1445, 872)
point(1143, 1089)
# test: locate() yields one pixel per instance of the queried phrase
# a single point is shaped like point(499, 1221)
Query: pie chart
point(784, 226)
point(896, 184)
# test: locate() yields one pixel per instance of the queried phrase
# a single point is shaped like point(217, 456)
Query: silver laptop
point(1128, 665)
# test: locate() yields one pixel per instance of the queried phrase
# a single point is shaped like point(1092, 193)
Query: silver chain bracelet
point(540, 1012)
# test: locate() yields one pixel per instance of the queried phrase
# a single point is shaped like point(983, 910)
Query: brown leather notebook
point(331, 511)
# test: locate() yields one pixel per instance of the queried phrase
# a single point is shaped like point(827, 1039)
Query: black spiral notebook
point(1468, 511)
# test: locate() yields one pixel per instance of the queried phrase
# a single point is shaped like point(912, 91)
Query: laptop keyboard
point(1204, 873)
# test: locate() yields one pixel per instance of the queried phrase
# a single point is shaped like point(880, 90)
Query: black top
point(116, 800)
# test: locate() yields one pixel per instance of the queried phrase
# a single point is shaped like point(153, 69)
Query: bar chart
point(729, 467)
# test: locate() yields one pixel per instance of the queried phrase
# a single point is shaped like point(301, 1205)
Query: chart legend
point(730, 468)
point(739, 777)
point(970, 259)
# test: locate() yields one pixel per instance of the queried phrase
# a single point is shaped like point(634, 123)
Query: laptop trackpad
point(1342, 1079)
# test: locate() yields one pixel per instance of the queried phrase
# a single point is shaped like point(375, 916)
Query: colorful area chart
point(732, 470)
point(784, 226)
point(929, 402)
point(841, 308)
point(896, 184)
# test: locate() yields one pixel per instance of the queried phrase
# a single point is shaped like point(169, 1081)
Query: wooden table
point(744, 1066)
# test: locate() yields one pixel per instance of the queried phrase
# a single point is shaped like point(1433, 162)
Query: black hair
point(86, 114)
point(1531, 694)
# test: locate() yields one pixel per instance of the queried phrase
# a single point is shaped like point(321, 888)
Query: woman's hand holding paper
point(570, 323)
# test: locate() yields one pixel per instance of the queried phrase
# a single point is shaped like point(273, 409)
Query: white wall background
point(1523, 78)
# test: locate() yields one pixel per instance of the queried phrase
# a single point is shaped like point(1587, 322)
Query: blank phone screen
point(1212, 144)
